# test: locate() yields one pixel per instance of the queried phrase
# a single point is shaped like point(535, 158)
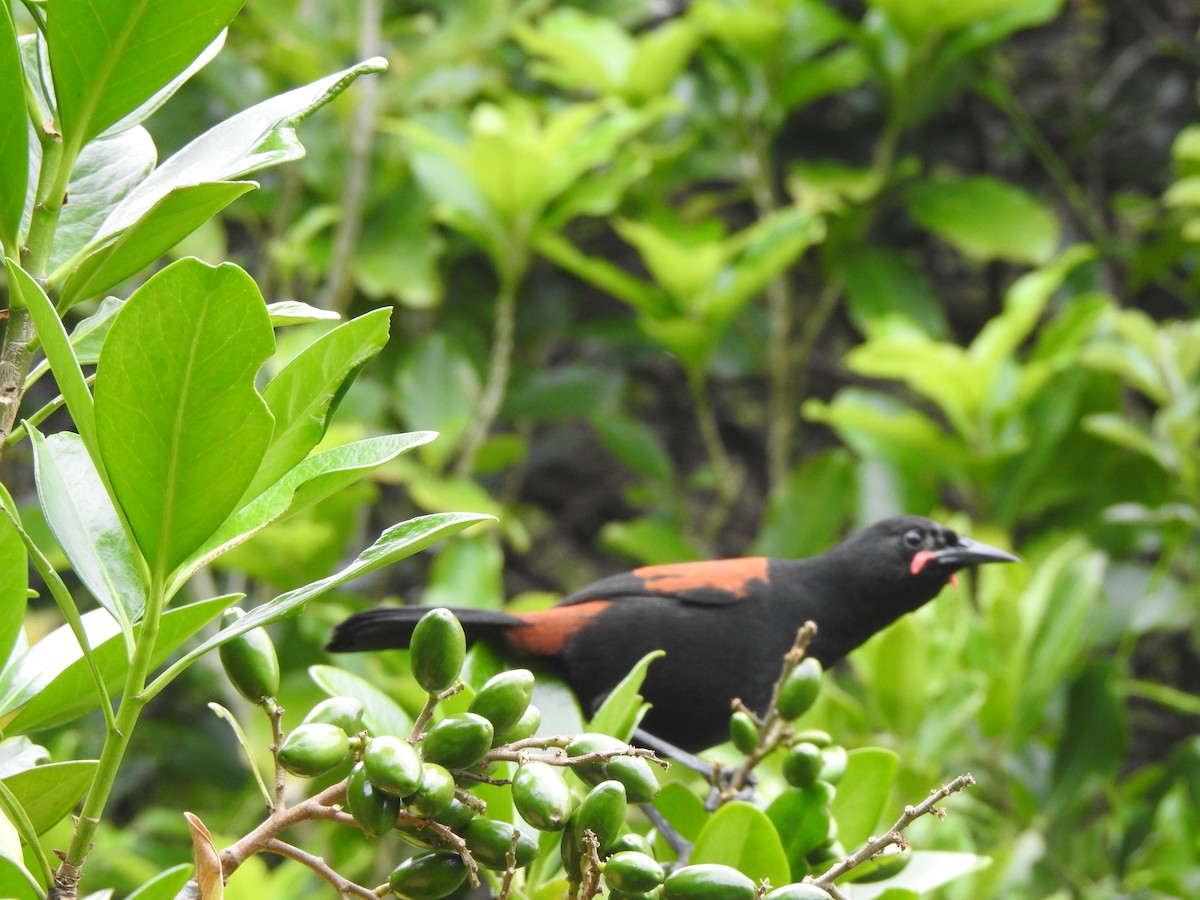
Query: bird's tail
point(391, 627)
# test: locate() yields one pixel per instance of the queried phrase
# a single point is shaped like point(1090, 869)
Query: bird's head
point(916, 557)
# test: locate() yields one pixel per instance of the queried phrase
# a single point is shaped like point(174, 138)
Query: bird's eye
point(914, 537)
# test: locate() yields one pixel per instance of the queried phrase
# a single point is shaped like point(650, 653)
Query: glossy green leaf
point(19, 753)
point(295, 312)
point(305, 394)
point(863, 793)
point(14, 135)
point(986, 219)
point(182, 429)
point(49, 792)
point(87, 337)
point(52, 684)
point(801, 819)
point(261, 136)
point(59, 353)
point(111, 56)
point(437, 388)
point(682, 808)
point(381, 714)
point(741, 836)
point(623, 709)
point(86, 525)
point(317, 477)
point(105, 173)
point(166, 885)
point(114, 256)
point(14, 586)
point(395, 544)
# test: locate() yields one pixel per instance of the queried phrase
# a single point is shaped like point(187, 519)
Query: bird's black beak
point(971, 553)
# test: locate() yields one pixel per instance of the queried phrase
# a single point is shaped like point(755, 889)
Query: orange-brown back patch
point(730, 575)
point(547, 631)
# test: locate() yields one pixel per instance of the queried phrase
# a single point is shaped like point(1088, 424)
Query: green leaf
point(888, 295)
point(105, 173)
point(741, 835)
point(52, 685)
point(985, 218)
point(381, 714)
point(682, 808)
point(86, 525)
point(58, 352)
point(259, 137)
point(48, 793)
point(14, 135)
point(14, 860)
point(166, 885)
point(563, 392)
point(807, 514)
point(20, 753)
point(111, 56)
point(623, 709)
point(396, 543)
point(312, 480)
point(1117, 429)
point(295, 312)
point(918, 17)
point(437, 388)
point(863, 792)
point(801, 820)
point(114, 256)
point(305, 394)
point(14, 587)
point(467, 572)
point(182, 429)
point(636, 445)
point(222, 713)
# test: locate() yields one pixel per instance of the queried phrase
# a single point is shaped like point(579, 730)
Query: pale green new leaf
point(14, 135)
point(182, 429)
point(80, 512)
point(111, 56)
point(863, 793)
point(986, 219)
point(623, 708)
point(296, 312)
point(306, 392)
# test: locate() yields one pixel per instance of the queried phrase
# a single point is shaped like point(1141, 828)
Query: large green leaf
point(182, 429)
point(801, 819)
point(111, 56)
point(863, 792)
point(381, 714)
point(263, 135)
point(113, 257)
point(86, 525)
point(14, 135)
point(887, 295)
point(396, 543)
point(49, 792)
point(166, 885)
point(741, 835)
point(14, 587)
point(52, 685)
point(986, 219)
point(105, 173)
point(306, 392)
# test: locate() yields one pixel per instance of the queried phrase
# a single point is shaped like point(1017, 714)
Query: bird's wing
point(717, 582)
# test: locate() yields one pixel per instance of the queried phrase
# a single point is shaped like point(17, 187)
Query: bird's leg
point(714, 775)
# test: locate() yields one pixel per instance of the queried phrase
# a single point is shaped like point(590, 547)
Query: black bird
point(725, 624)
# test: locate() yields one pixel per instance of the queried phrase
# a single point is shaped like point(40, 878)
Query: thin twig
point(589, 885)
point(340, 884)
point(510, 866)
point(275, 714)
point(895, 834)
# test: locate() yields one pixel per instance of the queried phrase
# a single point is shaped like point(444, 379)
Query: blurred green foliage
point(734, 276)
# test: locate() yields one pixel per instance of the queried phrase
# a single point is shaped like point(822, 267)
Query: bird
point(725, 624)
